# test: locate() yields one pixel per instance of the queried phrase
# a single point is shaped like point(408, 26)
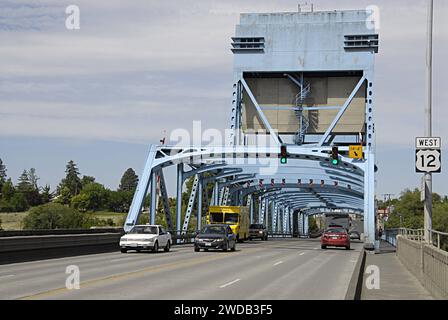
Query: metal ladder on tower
point(305, 90)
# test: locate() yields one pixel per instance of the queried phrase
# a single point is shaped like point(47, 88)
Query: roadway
point(286, 269)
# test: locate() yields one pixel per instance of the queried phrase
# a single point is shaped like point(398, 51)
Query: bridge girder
point(308, 181)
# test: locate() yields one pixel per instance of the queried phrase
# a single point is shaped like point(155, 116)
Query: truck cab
point(236, 217)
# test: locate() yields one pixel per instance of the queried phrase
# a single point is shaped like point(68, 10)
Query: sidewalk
point(396, 282)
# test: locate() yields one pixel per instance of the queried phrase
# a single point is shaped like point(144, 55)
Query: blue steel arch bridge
point(301, 80)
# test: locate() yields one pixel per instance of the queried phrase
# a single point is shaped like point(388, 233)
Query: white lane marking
point(302, 254)
point(276, 264)
point(229, 283)
point(7, 276)
point(122, 259)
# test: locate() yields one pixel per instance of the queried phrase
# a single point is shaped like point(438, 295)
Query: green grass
point(13, 220)
point(117, 218)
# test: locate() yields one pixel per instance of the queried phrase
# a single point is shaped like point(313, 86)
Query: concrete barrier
point(29, 245)
point(354, 290)
point(427, 263)
point(46, 232)
point(28, 248)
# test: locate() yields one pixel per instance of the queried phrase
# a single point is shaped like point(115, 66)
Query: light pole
point(428, 125)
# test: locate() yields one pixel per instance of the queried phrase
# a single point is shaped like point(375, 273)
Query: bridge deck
point(277, 269)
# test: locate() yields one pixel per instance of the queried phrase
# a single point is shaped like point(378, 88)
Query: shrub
point(54, 216)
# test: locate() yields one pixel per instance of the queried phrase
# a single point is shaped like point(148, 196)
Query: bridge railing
point(425, 261)
point(412, 234)
point(438, 239)
point(280, 235)
point(390, 236)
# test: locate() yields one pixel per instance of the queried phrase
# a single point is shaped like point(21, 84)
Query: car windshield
point(256, 226)
point(144, 230)
point(231, 218)
point(336, 230)
point(213, 230)
point(216, 217)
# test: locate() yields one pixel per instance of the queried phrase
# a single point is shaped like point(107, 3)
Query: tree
point(46, 194)
point(87, 180)
point(28, 187)
point(120, 201)
point(33, 178)
point(24, 184)
point(8, 192)
point(71, 182)
point(2, 175)
point(64, 196)
point(129, 181)
point(54, 216)
point(19, 202)
point(93, 197)
point(312, 225)
point(12, 200)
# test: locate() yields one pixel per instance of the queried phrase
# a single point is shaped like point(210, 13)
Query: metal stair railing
point(304, 123)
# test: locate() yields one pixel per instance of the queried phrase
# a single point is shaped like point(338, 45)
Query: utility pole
point(428, 126)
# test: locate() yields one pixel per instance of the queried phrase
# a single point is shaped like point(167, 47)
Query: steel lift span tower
point(303, 90)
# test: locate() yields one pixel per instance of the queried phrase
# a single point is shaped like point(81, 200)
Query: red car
point(335, 237)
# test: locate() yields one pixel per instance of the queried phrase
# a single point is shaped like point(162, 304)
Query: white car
point(146, 237)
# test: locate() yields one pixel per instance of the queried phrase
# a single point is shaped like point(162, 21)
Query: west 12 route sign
point(428, 155)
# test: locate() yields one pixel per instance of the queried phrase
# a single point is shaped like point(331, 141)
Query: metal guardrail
point(436, 241)
point(280, 235)
point(390, 235)
point(179, 238)
point(412, 234)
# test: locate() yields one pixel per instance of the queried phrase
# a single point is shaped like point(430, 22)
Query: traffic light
point(335, 156)
point(283, 155)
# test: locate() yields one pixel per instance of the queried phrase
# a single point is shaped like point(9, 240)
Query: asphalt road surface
point(286, 269)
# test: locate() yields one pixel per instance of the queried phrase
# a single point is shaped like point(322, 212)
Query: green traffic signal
point(283, 155)
point(335, 156)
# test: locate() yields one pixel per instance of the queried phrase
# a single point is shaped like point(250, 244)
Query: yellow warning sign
point(355, 152)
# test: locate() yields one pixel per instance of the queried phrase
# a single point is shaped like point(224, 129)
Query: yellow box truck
point(236, 217)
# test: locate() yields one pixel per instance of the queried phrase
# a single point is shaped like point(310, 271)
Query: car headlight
point(260, 232)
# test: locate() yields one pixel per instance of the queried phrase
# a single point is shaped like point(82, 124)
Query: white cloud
point(163, 59)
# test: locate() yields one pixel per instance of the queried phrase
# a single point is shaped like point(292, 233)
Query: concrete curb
point(354, 290)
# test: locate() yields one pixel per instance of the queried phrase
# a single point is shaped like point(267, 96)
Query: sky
point(137, 70)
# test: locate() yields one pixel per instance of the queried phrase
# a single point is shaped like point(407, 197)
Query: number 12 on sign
point(428, 161)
